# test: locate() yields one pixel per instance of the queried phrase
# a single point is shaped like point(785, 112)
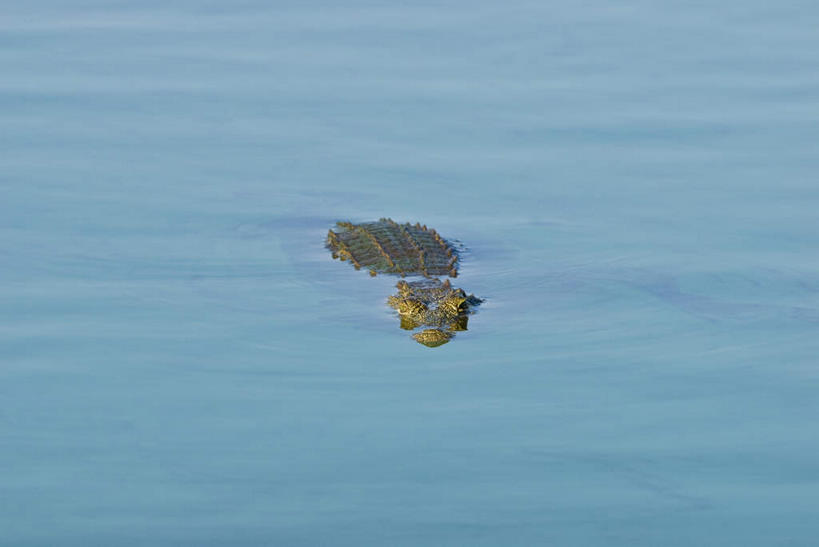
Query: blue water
point(635, 185)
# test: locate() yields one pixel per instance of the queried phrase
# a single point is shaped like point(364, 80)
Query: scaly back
point(388, 247)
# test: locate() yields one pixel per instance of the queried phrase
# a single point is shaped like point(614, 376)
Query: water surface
point(182, 363)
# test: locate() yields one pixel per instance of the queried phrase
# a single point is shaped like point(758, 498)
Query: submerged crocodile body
point(406, 249)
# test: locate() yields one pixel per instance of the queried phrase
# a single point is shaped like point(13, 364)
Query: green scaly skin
point(386, 246)
point(431, 303)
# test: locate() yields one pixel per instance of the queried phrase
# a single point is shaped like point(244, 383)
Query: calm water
point(182, 363)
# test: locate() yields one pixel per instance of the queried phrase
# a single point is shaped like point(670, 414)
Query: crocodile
point(387, 247)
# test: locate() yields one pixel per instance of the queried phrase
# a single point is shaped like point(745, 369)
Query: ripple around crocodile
point(386, 246)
